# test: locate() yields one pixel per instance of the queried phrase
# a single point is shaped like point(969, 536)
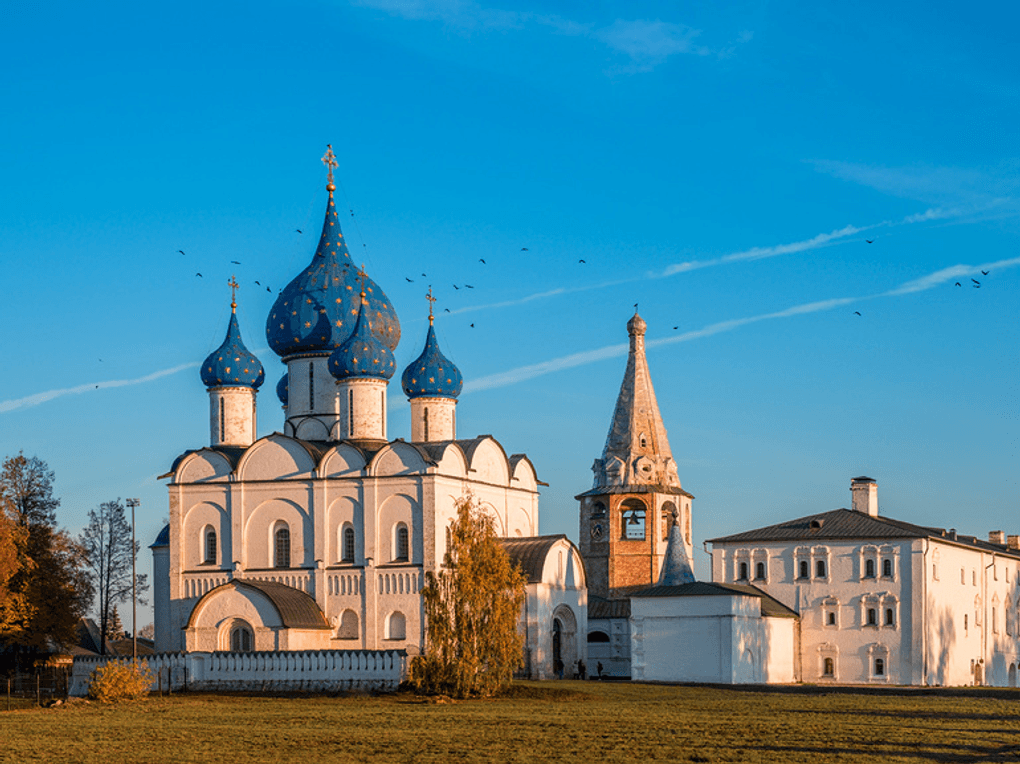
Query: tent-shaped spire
point(637, 448)
point(676, 565)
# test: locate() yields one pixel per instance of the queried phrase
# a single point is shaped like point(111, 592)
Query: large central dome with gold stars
point(316, 312)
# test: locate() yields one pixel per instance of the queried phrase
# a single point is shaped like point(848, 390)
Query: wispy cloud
point(34, 400)
point(924, 283)
point(646, 43)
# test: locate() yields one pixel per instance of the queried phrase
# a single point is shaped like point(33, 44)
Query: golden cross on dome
point(362, 275)
point(431, 300)
point(329, 159)
point(233, 293)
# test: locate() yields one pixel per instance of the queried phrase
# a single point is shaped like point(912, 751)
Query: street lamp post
point(134, 583)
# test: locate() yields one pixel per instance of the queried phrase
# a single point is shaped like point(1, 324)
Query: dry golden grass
point(537, 722)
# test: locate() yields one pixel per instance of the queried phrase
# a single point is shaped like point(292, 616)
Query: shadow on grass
point(957, 754)
point(920, 714)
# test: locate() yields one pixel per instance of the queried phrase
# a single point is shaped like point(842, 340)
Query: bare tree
point(106, 541)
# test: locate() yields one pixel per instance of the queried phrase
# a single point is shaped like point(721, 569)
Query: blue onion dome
point(363, 354)
point(316, 312)
point(231, 365)
point(432, 375)
point(283, 389)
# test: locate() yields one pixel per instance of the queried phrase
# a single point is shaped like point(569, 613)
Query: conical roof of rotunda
point(637, 449)
point(317, 311)
point(232, 364)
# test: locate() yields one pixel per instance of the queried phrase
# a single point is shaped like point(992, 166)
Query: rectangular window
point(879, 667)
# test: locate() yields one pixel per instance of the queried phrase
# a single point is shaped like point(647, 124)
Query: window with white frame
point(347, 544)
point(878, 656)
point(828, 661)
point(281, 545)
point(401, 546)
point(209, 545)
point(830, 613)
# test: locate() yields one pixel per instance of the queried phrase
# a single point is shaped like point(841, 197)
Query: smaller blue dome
point(432, 375)
point(231, 365)
point(362, 354)
point(283, 389)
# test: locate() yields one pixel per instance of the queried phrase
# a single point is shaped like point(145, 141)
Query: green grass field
point(561, 721)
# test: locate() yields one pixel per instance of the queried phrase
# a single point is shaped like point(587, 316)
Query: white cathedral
point(320, 536)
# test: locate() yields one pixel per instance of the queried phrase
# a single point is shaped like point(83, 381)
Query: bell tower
point(636, 497)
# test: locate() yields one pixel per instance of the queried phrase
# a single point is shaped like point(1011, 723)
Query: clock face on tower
point(597, 530)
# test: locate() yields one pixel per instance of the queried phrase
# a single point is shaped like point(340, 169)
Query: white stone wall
point(307, 671)
point(362, 410)
point(720, 639)
point(433, 419)
point(231, 416)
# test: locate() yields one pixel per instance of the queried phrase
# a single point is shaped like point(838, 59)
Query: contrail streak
point(34, 400)
point(930, 281)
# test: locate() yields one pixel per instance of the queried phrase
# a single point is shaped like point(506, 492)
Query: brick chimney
point(997, 537)
point(1013, 542)
point(864, 491)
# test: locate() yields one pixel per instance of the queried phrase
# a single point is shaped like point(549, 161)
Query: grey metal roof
point(769, 605)
point(634, 488)
point(603, 608)
point(530, 553)
point(297, 610)
point(850, 524)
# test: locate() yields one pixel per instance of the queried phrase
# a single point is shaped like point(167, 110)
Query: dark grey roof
point(850, 524)
point(603, 608)
point(297, 610)
point(530, 553)
point(163, 539)
point(769, 605)
point(613, 489)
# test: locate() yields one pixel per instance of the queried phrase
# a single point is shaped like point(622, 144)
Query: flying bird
point(456, 287)
point(409, 281)
point(958, 284)
point(870, 241)
point(268, 289)
point(200, 275)
point(582, 261)
point(236, 262)
point(985, 273)
point(181, 251)
point(676, 327)
point(469, 286)
point(524, 249)
point(481, 261)
point(857, 313)
point(446, 310)
point(976, 286)
point(259, 283)
point(976, 282)
point(298, 230)
point(472, 326)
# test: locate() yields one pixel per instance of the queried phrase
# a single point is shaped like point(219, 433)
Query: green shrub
point(120, 680)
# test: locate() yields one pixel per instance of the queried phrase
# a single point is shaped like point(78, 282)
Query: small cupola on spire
point(232, 374)
point(362, 365)
point(432, 383)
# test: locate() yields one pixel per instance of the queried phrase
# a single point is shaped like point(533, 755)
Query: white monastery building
point(885, 601)
point(318, 537)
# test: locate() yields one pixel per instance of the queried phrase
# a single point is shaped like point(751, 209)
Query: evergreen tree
point(106, 541)
point(49, 590)
point(114, 628)
point(472, 606)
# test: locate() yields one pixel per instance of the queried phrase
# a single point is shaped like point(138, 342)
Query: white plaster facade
point(720, 638)
point(883, 601)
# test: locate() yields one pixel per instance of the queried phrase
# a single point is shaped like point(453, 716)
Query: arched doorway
point(1012, 675)
point(564, 642)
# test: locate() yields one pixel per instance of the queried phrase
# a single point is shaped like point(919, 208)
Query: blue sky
point(722, 165)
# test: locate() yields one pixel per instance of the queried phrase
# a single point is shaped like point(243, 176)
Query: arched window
point(759, 571)
point(425, 420)
point(887, 568)
point(889, 617)
point(872, 617)
point(241, 639)
point(348, 550)
point(832, 619)
point(869, 568)
point(281, 546)
point(223, 425)
point(643, 440)
point(311, 386)
point(632, 516)
point(209, 548)
point(350, 413)
point(879, 667)
point(743, 572)
point(804, 570)
point(829, 667)
point(668, 511)
point(400, 546)
point(820, 569)
point(348, 628)
point(396, 626)
point(597, 637)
